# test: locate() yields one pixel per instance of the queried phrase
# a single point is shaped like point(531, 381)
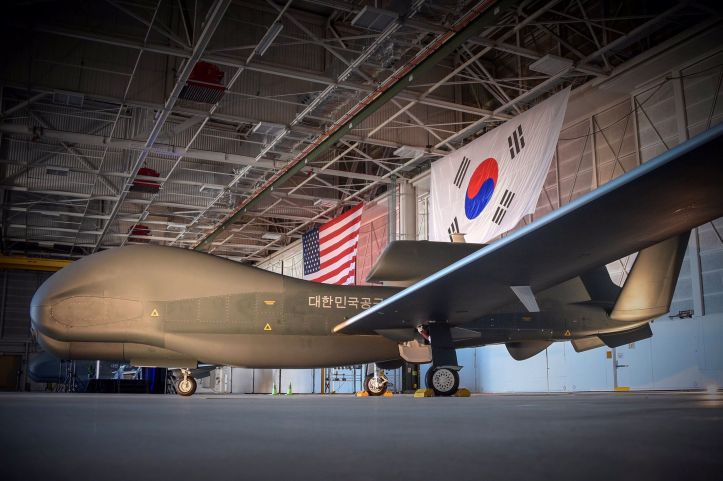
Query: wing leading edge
point(668, 195)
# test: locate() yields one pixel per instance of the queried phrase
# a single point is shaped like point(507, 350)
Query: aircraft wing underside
point(664, 197)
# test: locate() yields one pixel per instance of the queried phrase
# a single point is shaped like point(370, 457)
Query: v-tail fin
point(648, 290)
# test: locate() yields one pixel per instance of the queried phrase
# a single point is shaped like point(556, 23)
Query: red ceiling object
point(145, 185)
point(139, 233)
point(204, 85)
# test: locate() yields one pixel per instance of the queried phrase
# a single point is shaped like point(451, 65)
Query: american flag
point(330, 250)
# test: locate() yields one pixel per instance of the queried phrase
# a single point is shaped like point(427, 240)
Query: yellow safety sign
point(567, 333)
point(154, 313)
point(267, 327)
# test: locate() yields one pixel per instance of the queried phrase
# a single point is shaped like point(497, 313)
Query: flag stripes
point(507, 198)
point(461, 172)
point(502, 208)
point(453, 229)
point(518, 140)
point(499, 215)
point(330, 250)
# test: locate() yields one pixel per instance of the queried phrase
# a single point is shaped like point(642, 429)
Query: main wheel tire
point(444, 382)
point(428, 378)
point(374, 386)
point(186, 387)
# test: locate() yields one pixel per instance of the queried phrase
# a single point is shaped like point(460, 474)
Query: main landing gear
point(443, 376)
point(186, 386)
point(375, 384)
point(443, 381)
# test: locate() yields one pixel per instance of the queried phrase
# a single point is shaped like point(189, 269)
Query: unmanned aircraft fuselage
point(161, 306)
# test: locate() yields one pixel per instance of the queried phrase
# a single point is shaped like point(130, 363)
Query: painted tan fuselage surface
point(161, 306)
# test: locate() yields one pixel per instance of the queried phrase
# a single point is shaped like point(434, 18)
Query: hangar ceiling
point(127, 121)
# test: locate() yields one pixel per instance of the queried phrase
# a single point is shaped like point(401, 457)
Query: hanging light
point(268, 38)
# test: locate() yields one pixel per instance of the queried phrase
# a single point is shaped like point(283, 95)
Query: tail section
point(600, 288)
point(648, 290)
point(617, 339)
point(646, 294)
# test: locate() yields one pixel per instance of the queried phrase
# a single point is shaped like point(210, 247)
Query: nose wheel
point(442, 380)
point(186, 386)
point(375, 384)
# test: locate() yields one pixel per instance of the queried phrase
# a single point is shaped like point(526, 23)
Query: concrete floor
point(610, 436)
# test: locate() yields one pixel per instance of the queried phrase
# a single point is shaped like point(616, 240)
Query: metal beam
point(530, 94)
point(121, 107)
point(211, 22)
point(32, 263)
point(83, 160)
point(299, 129)
point(23, 104)
point(166, 149)
point(20, 129)
point(635, 33)
point(151, 24)
point(259, 67)
point(471, 25)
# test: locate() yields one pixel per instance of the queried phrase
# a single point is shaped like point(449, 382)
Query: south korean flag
point(484, 188)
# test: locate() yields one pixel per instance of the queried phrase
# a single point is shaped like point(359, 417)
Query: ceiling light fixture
point(551, 64)
point(406, 151)
point(376, 19)
point(268, 38)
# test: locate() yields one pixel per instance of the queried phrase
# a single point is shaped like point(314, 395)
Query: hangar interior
point(182, 123)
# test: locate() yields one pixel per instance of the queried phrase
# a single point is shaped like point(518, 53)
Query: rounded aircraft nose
point(76, 301)
point(68, 283)
point(41, 304)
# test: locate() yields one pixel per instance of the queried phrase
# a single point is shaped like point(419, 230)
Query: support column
point(696, 271)
point(407, 212)
point(696, 274)
point(3, 301)
point(392, 209)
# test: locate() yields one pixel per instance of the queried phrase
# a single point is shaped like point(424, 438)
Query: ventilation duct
point(139, 233)
point(144, 184)
point(204, 84)
point(375, 19)
point(59, 171)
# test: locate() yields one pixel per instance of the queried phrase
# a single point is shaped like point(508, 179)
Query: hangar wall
point(16, 342)
point(627, 126)
point(683, 353)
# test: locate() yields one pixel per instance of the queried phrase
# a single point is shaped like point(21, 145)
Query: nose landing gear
point(375, 384)
point(186, 386)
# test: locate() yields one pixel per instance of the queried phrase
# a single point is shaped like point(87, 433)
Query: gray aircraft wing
point(666, 196)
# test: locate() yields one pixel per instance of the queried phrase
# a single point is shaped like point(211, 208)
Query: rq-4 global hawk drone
point(547, 282)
